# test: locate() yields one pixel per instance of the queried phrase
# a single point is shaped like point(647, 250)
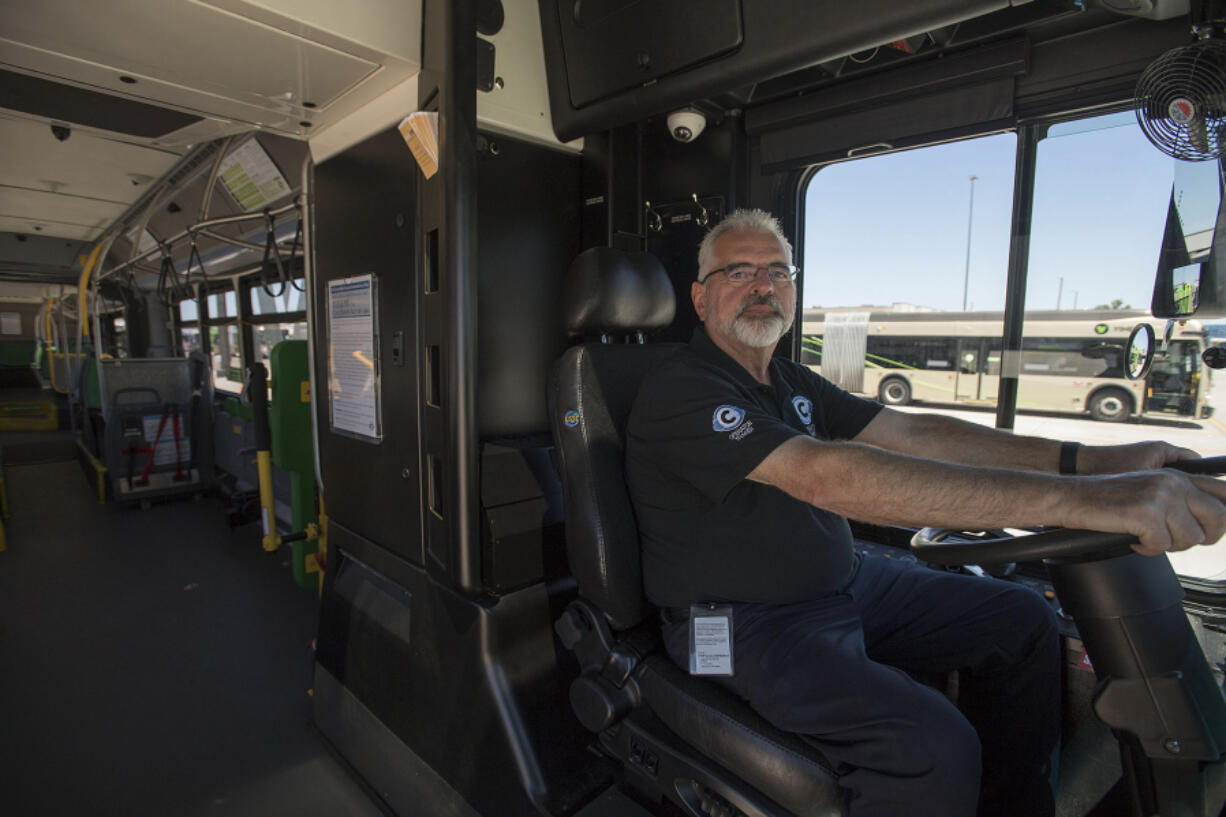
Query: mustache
point(764, 299)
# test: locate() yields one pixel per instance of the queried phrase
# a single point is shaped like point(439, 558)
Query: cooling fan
point(1181, 101)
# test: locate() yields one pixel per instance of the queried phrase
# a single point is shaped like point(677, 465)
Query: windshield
point(906, 257)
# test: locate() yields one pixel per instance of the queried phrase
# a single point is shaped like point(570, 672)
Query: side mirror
point(1140, 352)
point(1191, 275)
point(1179, 290)
point(1215, 357)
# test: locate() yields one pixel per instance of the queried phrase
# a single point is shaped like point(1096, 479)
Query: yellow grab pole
point(83, 287)
point(257, 389)
point(268, 511)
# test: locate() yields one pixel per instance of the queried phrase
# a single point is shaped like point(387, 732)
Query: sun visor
point(886, 127)
point(892, 109)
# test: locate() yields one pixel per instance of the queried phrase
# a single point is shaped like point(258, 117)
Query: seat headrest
point(617, 292)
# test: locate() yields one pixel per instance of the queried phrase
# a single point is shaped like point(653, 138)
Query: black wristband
point(1068, 457)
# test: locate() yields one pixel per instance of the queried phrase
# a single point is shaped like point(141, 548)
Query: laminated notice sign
point(353, 365)
point(251, 177)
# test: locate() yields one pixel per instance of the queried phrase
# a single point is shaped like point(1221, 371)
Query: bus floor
point(153, 662)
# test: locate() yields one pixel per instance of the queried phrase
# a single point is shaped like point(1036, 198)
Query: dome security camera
point(61, 132)
point(686, 124)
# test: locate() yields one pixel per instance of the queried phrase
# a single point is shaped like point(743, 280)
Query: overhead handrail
point(237, 242)
point(202, 228)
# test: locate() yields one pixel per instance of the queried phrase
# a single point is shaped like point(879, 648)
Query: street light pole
point(970, 217)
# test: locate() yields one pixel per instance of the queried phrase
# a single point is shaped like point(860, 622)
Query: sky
point(894, 228)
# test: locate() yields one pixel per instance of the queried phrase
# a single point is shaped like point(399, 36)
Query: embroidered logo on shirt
point(804, 409)
point(571, 418)
point(726, 418)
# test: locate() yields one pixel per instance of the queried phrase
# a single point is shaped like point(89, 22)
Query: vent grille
point(191, 164)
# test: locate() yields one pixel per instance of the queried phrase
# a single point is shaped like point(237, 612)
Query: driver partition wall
point(445, 531)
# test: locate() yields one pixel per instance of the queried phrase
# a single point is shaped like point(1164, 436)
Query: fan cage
point(1181, 101)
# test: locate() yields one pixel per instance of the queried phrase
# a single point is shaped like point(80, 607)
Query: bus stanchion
point(257, 389)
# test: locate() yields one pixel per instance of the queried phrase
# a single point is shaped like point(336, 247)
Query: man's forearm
point(937, 437)
point(1163, 508)
point(885, 488)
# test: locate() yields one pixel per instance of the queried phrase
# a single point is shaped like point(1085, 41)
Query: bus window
point(278, 299)
point(187, 321)
point(886, 239)
point(223, 304)
point(268, 335)
point(278, 313)
point(1100, 206)
point(189, 339)
point(225, 358)
point(225, 340)
point(1174, 378)
point(1101, 199)
point(904, 289)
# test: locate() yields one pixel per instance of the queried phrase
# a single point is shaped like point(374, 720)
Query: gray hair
point(751, 221)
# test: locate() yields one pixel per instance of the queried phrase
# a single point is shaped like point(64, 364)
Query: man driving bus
point(743, 469)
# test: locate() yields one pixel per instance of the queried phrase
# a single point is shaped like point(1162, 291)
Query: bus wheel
point(895, 392)
point(1110, 405)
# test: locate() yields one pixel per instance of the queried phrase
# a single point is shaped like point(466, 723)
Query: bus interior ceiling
point(127, 135)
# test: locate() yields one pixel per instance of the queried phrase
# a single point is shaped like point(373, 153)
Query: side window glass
point(1101, 198)
point(904, 248)
point(904, 268)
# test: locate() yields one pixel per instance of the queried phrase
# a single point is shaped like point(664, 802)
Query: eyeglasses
point(744, 272)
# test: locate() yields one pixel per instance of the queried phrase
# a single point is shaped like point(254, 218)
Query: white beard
point(759, 332)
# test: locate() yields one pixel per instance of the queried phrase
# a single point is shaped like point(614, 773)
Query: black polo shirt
point(700, 424)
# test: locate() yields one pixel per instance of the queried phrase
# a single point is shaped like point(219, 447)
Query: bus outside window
point(905, 258)
point(1070, 362)
point(278, 314)
point(225, 341)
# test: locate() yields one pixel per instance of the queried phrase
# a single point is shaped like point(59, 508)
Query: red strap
point(144, 477)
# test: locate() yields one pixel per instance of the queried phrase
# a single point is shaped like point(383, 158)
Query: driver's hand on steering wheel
point(1118, 459)
point(1165, 509)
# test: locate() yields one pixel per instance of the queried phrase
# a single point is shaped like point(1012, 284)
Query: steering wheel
point(941, 546)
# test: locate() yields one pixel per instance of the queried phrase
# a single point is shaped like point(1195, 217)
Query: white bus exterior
point(1071, 361)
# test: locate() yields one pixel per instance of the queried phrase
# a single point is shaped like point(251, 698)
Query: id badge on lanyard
point(710, 639)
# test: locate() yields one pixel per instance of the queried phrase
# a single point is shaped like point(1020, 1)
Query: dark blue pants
point(832, 670)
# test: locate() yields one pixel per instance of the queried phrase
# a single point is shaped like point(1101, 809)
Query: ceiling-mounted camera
point(61, 132)
point(686, 124)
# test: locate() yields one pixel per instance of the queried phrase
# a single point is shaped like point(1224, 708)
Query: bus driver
point(742, 468)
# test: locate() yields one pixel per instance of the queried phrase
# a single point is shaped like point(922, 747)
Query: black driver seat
point(679, 737)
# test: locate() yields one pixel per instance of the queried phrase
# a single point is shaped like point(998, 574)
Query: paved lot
point(1208, 437)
